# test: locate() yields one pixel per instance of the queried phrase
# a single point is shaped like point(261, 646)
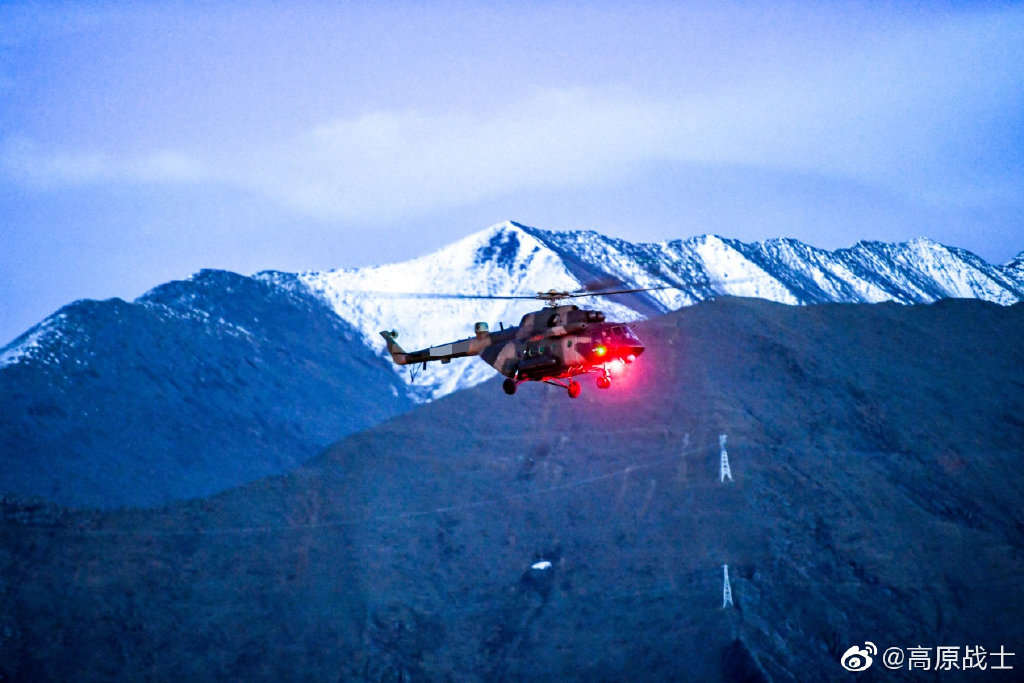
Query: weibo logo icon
point(857, 658)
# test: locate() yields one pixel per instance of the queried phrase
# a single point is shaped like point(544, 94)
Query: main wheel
point(509, 385)
point(603, 382)
point(574, 388)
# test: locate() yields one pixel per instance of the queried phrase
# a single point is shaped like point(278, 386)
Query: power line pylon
point(726, 588)
point(725, 471)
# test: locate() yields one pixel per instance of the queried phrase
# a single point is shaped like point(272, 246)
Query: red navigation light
point(600, 350)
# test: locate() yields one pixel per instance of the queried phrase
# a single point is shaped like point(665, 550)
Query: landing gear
point(574, 388)
point(509, 385)
point(604, 381)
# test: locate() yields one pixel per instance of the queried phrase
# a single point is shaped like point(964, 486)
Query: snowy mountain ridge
point(510, 258)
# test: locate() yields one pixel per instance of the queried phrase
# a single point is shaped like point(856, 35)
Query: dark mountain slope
point(196, 387)
point(876, 452)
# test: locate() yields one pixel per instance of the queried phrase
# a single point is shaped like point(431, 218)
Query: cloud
point(927, 112)
point(25, 161)
point(389, 163)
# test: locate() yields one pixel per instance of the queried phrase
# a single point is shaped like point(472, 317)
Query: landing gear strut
point(509, 385)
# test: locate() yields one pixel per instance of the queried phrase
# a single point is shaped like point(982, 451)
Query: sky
point(142, 142)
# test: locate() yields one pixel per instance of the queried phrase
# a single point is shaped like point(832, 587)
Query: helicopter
point(554, 345)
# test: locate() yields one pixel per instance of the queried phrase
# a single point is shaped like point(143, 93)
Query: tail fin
point(397, 352)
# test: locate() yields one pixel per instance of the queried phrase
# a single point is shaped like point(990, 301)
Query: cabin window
point(568, 342)
point(553, 320)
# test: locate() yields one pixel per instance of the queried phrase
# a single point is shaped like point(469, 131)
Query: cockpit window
point(553, 320)
point(618, 330)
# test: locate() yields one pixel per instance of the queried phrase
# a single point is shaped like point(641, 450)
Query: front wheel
point(603, 382)
point(574, 388)
point(509, 385)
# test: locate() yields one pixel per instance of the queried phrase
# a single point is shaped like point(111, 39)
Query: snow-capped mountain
point(214, 381)
point(512, 259)
point(504, 260)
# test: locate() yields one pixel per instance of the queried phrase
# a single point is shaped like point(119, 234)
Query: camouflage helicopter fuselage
point(554, 343)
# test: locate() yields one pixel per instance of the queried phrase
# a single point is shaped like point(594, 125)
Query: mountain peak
point(505, 227)
point(31, 343)
point(516, 225)
point(702, 238)
point(925, 243)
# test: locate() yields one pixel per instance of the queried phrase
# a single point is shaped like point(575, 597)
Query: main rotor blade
point(598, 284)
point(439, 295)
point(620, 291)
point(578, 294)
point(543, 296)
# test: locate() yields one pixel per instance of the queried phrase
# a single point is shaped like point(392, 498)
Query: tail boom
point(444, 353)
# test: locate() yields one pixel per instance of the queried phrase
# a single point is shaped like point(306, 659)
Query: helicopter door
point(538, 357)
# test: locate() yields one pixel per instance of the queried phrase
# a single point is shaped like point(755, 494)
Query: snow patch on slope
point(36, 344)
point(736, 275)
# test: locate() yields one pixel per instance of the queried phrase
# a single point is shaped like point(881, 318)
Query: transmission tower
point(725, 471)
point(726, 588)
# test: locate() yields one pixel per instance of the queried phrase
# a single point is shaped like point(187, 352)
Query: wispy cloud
point(26, 161)
point(389, 163)
point(927, 112)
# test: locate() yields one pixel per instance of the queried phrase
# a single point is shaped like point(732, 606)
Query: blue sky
point(141, 143)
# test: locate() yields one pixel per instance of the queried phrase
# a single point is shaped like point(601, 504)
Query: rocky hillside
point(197, 386)
point(876, 456)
